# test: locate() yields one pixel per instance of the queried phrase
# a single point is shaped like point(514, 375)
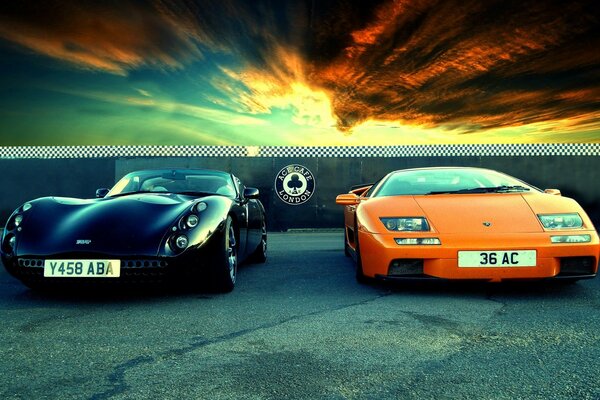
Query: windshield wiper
point(493, 189)
point(505, 188)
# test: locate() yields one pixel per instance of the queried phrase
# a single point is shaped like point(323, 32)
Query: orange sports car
point(466, 223)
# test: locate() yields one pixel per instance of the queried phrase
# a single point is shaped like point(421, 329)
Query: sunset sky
point(334, 72)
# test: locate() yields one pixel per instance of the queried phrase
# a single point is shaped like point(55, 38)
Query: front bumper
point(134, 270)
point(383, 258)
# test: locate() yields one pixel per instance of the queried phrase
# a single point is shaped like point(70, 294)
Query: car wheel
point(360, 276)
point(346, 247)
point(260, 254)
point(226, 260)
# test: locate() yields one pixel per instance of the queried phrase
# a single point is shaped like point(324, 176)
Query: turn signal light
point(571, 239)
point(417, 241)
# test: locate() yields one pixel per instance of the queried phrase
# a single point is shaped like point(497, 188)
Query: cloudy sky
point(320, 72)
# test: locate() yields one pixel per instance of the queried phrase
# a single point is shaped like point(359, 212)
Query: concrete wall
point(25, 179)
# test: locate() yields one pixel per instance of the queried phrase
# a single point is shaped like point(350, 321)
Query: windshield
point(192, 182)
point(449, 180)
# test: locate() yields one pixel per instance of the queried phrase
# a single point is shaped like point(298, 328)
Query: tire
point(360, 276)
point(346, 247)
point(260, 254)
point(225, 261)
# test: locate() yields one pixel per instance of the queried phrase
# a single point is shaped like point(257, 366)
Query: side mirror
point(360, 190)
point(554, 192)
point(347, 199)
point(251, 193)
point(101, 193)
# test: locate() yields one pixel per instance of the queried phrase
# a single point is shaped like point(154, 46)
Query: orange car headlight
point(561, 221)
point(411, 224)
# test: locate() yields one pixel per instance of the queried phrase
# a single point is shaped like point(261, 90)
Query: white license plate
point(82, 268)
point(497, 259)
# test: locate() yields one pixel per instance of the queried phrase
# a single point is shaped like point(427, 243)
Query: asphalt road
point(300, 327)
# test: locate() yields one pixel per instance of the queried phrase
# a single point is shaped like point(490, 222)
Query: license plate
point(497, 259)
point(82, 268)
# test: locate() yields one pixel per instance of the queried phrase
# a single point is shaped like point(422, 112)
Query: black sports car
point(152, 225)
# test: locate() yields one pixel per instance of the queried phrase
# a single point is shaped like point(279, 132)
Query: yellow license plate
point(82, 268)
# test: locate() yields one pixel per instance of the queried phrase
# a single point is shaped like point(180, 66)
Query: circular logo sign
point(294, 184)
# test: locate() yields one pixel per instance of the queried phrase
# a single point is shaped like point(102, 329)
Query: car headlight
point(181, 242)
point(561, 221)
point(188, 222)
point(16, 220)
point(192, 220)
point(8, 243)
point(418, 224)
point(201, 206)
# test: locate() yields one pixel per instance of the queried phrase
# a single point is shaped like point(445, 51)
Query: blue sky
point(298, 72)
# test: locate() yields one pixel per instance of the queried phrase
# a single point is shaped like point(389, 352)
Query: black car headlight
point(14, 225)
point(413, 224)
point(561, 221)
point(189, 221)
point(192, 221)
point(8, 243)
point(178, 239)
point(200, 206)
point(18, 219)
point(178, 242)
point(181, 241)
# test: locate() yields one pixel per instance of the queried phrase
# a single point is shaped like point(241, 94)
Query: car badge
point(487, 223)
point(83, 241)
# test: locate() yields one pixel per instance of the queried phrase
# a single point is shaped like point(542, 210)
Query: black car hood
point(125, 225)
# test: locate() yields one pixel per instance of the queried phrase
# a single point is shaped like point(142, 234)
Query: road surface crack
point(117, 378)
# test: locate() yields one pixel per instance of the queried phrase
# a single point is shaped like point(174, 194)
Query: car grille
point(136, 263)
point(143, 263)
point(31, 262)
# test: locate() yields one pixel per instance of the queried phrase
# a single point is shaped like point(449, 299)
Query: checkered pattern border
point(121, 151)
point(545, 149)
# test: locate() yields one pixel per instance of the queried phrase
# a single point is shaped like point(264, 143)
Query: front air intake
point(406, 267)
point(575, 266)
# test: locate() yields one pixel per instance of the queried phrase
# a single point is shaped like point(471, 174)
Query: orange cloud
point(470, 63)
point(93, 36)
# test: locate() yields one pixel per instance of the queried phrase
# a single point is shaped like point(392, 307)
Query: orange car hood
point(505, 213)
point(447, 213)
